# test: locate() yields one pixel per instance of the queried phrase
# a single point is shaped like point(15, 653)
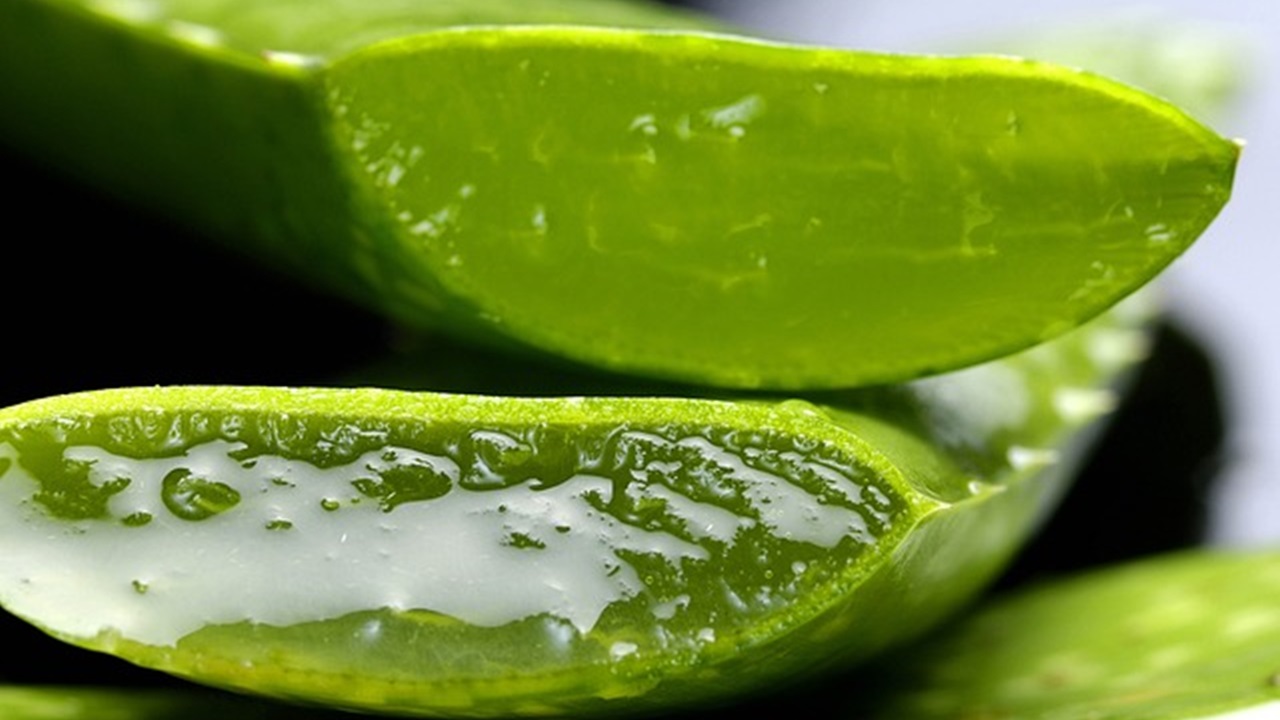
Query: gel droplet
point(403, 481)
point(500, 451)
point(191, 497)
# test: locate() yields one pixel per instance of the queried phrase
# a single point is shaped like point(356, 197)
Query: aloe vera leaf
point(1191, 635)
point(679, 204)
point(94, 703)
point(426, 553)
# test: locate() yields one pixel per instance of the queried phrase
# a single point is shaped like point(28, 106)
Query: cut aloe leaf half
point(1194, 635)
point(665, 202)
point(449, 554)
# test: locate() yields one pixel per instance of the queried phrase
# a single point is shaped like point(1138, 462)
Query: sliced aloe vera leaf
point(1192, 635)
point(670, 203)
point(449, 554)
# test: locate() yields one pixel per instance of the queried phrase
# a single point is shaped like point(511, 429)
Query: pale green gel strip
point(322, 563)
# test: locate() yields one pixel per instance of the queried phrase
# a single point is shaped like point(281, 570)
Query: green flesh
point(670, 203)
point(446, 554)
point(1187, 636)
point(91, 703)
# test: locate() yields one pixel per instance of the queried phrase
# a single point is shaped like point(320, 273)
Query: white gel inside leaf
point(292, 542)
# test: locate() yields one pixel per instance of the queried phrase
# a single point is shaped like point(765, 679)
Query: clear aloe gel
point(1191, 636)
point(436, 554)
point(654, 199)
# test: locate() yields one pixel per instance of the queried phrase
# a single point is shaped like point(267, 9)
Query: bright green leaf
point(673, 203)
point(1191, 636)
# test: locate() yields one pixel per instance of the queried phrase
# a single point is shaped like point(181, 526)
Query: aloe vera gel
point(557, 522)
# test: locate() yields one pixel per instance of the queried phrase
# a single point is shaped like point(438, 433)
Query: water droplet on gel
point(191, 497)
point(501, 451)
point(803, 407)
point(408, 479)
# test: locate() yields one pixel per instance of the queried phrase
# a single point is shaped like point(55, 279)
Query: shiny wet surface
point(128, 300)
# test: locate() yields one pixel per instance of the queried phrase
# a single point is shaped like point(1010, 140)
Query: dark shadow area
point(1145, 488)
point(99, 295)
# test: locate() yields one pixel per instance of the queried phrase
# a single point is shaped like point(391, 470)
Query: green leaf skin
point(91, 703)
point(489, 556)
point(673, 203)
point(1194, 635)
